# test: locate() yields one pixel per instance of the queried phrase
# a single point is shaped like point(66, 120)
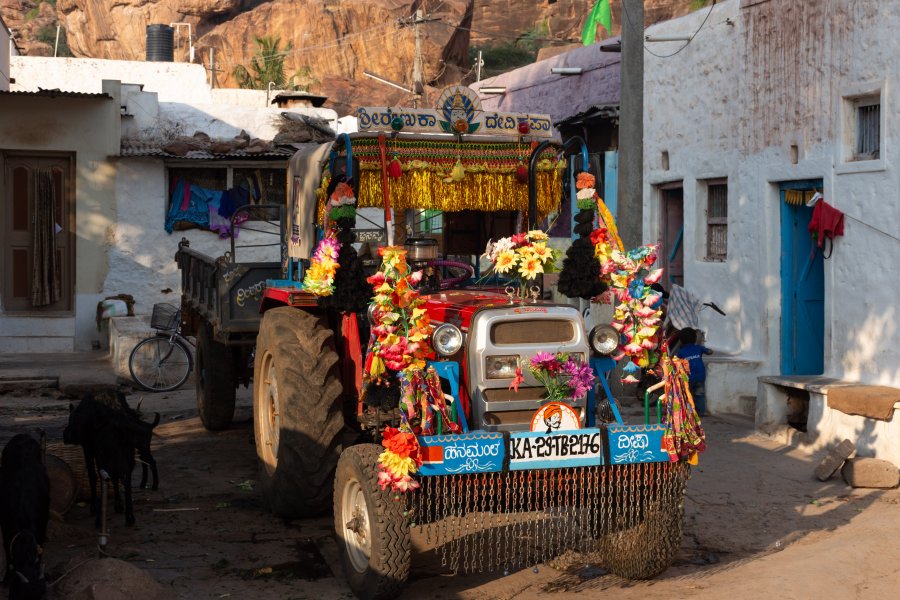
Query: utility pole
point(212, 67)
point(418, 86)
point(630, 210)
point(478, 64)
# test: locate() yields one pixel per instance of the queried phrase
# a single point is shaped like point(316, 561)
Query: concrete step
point(14, 384)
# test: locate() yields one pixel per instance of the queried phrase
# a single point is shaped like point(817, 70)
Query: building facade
point(770, 107)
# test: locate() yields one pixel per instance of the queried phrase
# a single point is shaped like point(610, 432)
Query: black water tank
point(160, 43)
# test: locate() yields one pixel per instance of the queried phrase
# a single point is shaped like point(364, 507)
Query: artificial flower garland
point(401, 341)
point(636, 318)
point(319, 277)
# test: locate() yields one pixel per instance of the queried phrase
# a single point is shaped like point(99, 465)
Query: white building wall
point(142, 254)
point(732, 104)
point(121, 202)
point(173, 82)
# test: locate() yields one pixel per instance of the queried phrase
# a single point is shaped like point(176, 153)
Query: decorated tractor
point(411, 374)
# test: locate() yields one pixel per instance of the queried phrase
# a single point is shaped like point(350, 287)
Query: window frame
point(717, 221)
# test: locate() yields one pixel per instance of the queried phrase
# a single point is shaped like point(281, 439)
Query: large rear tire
point(215, 381)
point(297, 418)
point(370, 527)
point(647, 546)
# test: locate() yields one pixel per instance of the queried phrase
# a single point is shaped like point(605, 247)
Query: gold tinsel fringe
point(797, 197)
point(478, 191)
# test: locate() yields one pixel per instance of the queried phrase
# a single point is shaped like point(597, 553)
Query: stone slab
point(870, 473)
point(834, 459)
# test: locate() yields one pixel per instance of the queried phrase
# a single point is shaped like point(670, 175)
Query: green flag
point(599, 14)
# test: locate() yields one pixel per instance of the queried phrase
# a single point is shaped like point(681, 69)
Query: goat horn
point(22, 577)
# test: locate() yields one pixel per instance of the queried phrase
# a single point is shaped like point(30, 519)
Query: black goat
point(109, 432)
point(24, 510)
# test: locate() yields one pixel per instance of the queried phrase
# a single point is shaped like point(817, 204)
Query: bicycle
point(162, 363)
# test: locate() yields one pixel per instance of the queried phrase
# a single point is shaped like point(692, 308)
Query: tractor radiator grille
point(533, 331)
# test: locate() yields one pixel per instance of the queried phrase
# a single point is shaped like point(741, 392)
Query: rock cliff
point(335, 39)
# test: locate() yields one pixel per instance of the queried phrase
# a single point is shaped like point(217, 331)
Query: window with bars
point(717, 220)
point(868, 129)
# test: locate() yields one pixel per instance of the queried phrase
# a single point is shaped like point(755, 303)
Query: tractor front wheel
point(370, 526)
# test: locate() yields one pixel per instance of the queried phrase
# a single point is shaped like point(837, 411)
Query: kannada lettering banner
point(636, 444)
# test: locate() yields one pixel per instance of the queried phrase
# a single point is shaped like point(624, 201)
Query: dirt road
point(757, 524)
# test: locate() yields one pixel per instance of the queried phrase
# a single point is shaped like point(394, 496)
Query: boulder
point(870, 473)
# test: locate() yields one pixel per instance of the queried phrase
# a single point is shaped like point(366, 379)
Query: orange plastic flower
point(584, 180)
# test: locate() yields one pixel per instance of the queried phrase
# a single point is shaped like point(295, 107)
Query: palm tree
point(266, 65)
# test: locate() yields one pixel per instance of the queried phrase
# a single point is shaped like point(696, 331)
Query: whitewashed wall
point(142, 254)
point(174, 82)
point(731, 104)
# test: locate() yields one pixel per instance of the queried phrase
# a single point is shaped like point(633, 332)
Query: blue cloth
point(232, 200)
point(693, 353)
point(197, 211)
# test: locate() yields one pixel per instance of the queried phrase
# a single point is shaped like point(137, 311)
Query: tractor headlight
point(501, 367)
point(447, 339)
point(604, 339)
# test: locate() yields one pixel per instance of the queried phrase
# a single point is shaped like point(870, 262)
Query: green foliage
point(698, 4)
point(268, 65)
point(47, 35)
point(31, 14)
point(500, 57)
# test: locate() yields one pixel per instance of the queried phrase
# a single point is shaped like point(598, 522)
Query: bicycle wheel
point(160, 364)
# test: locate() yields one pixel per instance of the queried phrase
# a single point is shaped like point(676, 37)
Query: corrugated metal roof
point(534, 89)
point(54, 94)
point(136, 148)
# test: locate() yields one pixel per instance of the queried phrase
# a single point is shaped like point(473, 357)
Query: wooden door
point(802, 289)
point(671, 251)
point(21, 223)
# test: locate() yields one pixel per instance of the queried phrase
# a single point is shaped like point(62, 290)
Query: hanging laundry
point(217, 222)
point(233, 199)
point(190, 203)
point(826, 222)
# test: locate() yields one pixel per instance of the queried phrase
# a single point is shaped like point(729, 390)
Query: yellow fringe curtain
point(797, 197)
point(424, 189)
point(478, 191)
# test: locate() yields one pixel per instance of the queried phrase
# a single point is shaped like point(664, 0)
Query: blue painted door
point(802, 289)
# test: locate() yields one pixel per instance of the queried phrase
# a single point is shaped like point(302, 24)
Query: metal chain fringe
point(632, 514)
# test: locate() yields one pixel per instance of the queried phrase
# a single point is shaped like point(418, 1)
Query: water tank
point(160, 43)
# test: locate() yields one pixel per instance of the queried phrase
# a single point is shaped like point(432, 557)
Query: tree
point(267, 65)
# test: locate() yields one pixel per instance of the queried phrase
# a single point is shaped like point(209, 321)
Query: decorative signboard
point(466, 453)
point(536, 450)
point(553, 417)
point(636, 444)
point(458, 111)
point(493, 452)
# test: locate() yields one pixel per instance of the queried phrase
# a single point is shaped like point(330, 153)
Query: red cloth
point(827, 221)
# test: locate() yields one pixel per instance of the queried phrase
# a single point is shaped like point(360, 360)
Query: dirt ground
point(757, 524)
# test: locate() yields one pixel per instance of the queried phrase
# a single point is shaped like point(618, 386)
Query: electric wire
point(631, 25)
